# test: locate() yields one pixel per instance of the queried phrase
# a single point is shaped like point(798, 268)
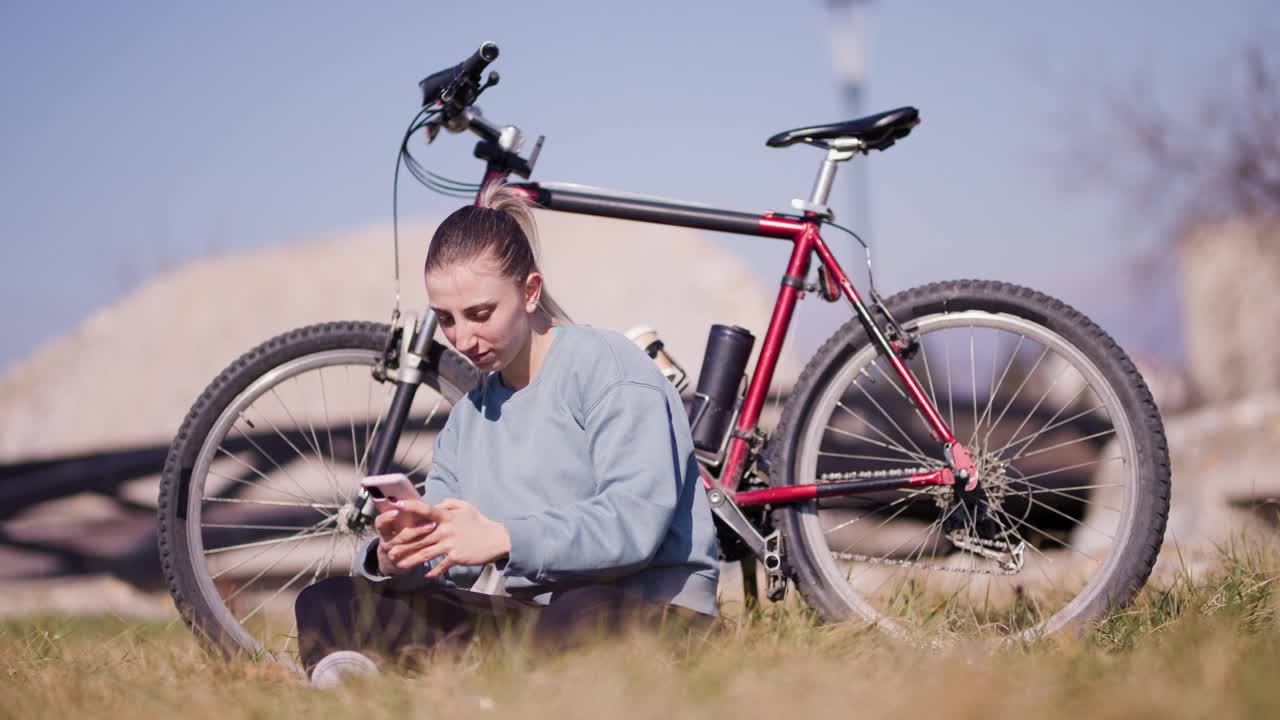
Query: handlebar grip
point(437, 84)
point(479, 60)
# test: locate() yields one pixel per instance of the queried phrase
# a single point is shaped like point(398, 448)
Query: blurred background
point(182, 183)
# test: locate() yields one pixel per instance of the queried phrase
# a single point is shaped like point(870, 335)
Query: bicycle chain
point(1010, 559)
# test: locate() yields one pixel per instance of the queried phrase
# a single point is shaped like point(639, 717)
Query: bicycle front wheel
point(256, 498)
point(1069, 448)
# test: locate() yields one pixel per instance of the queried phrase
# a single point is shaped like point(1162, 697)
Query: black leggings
point(347, 613)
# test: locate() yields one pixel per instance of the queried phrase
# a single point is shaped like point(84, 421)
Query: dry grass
point(1208, 649)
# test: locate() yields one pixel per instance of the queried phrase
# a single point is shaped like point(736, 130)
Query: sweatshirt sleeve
point(639, 478)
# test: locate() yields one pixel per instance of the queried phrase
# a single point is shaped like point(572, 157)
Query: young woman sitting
point(570, 467)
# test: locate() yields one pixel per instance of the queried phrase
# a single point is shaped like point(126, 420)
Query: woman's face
point(484, 314)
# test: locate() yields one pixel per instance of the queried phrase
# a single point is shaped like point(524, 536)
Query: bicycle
point(893, 491)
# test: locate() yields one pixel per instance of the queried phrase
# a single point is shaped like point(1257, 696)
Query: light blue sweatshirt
point(591, 469)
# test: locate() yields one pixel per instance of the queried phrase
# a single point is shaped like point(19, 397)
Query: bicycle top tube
point(631, 206)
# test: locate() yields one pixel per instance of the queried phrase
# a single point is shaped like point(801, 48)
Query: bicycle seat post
point(838, 151)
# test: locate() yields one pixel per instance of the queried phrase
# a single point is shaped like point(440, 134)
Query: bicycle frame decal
point(804, 234)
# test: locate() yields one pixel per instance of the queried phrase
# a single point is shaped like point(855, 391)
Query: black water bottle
point(728, 348)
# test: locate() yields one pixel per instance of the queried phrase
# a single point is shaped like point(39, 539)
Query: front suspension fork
point(415, 341)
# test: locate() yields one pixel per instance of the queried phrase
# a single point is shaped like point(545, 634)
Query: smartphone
point(386, 489)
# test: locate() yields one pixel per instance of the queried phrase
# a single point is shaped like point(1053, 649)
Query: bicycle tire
point(810, 559)
point(187, 576)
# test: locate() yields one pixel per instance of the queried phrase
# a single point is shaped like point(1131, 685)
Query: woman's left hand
point(462, 536)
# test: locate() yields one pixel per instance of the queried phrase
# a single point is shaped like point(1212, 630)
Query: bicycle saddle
point(878, 131)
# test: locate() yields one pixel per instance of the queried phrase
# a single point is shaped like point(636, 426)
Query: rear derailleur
point(971, 527)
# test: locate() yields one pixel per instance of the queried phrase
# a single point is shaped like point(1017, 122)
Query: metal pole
point(848, 32)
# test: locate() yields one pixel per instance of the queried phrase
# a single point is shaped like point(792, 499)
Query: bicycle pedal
point(777, 587)
point(775, 575)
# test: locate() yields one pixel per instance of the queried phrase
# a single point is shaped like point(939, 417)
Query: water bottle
point(716, 398)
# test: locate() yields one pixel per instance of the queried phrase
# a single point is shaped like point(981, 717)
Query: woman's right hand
point(389, 523)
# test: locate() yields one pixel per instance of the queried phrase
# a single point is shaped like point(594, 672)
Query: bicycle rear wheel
point(256, 498)
point(1069, 447)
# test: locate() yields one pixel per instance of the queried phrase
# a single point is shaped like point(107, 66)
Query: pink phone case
point(392, 487)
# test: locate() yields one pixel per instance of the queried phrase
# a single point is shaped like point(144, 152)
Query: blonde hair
point(501, 225)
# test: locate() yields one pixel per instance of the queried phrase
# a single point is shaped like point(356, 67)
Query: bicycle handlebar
point(455, 89)
point(458, 85)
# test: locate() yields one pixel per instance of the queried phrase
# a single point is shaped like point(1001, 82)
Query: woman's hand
point(390, 523)
point(453, 530)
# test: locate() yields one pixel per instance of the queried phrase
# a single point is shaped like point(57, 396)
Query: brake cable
point(432, 181)
point(909, 343)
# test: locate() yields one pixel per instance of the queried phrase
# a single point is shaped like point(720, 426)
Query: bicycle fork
point(415, 341)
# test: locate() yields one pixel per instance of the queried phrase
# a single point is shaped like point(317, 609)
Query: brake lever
point(492, 80)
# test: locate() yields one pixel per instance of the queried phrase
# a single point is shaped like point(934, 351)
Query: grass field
point(1193, 649)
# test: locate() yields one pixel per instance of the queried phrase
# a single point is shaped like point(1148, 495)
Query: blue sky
point(136, 136)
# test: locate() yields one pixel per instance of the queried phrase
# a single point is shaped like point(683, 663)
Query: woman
point(570, 467)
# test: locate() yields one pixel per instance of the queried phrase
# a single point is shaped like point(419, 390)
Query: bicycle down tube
point(803, 232)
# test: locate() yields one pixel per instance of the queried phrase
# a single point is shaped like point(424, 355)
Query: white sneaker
point(338, 667)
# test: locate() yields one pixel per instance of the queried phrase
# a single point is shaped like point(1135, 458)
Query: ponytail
point(499, 224)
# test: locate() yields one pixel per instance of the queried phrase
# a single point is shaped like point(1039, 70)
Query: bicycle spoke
point(1007, 529)
point(310, 532)
point(264, 453)
point(892, 443)
point(882, 458)
point(277, 593)
point(951, 393)
point(1040, 490)
point(924, 355)
point(332, 466)
point(973, 385)
point(882, 524)
point(251, 483)
point(888, 417)
point(1050, 536)
point(315, 506)
point(1061, 514)
point(249, 583)
point(995, 387)
point(1066, 468)
point(311, 440)
point(1048, 427)
point(253, 527)
point(895, 447)
point(1073, 487)
point(301, 456)
point(1031, 413)
point(860, 518)
point(1016, 393)
point(333, 547)
point(328, 424)
point(272, 541)
point(1063, 444)
point(916, 552)
point(1049, 422)
point(368, 435)
point(910, 402)
point(924, 541)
